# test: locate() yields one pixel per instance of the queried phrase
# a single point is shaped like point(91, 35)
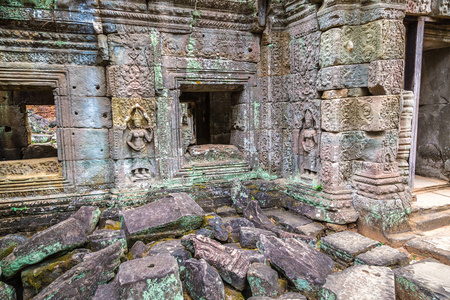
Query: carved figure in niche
point(187, 127)
point(308, 144)
point(137, 139)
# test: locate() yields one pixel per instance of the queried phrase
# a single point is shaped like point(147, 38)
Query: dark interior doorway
point(209, 114)
point(27, 124)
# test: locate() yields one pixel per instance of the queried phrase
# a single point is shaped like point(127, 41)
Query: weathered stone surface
point(360, 282)
point(303, 265)
point(88, 216)
point(346, 245)
point(240, 195)
point(292, 296)
point(81, 281)
point(9, 242)
point(203, 281)
point(386, 77)
point(226, 211)
point(214, 223)
point(139, 250)
point(174, 248)
point(232, 264)
point(206, 232)
point(383, 256)
point(151, 277)
point(434, 247)
point(108, 291)
point(254, 213)
point(173, 215)
point(232, 294)
point(427, 279)
point(335, 94)
point(233, 226)
point(36, 278)
point(263, 280)
point(249, 236)
point(100, 239)
point(293, 222)
point(63, 236)
point(312, 241)
point(7, 292)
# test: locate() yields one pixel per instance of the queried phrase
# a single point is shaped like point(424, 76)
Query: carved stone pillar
point(404, 142)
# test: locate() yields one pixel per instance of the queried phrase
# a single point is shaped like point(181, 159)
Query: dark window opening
point(206, 117)
point(27, 124)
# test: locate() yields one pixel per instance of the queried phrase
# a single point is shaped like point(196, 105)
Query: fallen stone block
point(151, 277)
point(108, 291)
point(63, 236)
point(249, 236)
point(9, 243)
point(240, 195)
point(174, 248)
point(434, 247)
point(383, 256)
point(205, 232)
point(100, 239)
point(345, 246)
point(310, 240)
point(171, 216)
point(233, 225)
point(253, 213)
point(139, 250)
point(7, 292)
point(88, 216)
point(81, 281)
point(214, 222)
point(203, 281)
point(292, 296)
point(263, 280)
point(293, 222)
point(303, 265)
point(426, 279)
point(360, 282)
point(231, 263)
point(38, 277)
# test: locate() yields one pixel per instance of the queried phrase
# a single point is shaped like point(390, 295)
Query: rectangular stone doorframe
point(413, 70)
point(15, 76)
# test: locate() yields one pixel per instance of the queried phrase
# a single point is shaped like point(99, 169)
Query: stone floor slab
point(360, 282)
point(437, 247)
point(427, 279)
point(383, 256)
point(346, 245)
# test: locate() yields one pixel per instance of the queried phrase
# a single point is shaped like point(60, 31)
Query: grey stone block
point(263, 280)
point(93, 172)
point(87, 81)
point(203, 281)
point(91, 112)
point(383, 256)
point(249, 236)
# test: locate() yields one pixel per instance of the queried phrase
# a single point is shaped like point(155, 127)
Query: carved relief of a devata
point(138, 137)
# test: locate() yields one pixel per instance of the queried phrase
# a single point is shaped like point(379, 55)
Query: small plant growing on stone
point(318, 187)
point(19, 208)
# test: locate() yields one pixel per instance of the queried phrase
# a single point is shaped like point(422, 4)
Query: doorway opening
point(28, 125)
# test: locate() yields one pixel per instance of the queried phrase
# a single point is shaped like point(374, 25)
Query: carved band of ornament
point(49, 57)
point(39, 35)
point(49, 44)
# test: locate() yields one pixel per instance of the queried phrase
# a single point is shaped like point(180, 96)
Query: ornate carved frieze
point(304, 53)
point(275, 54)
point(422, 7)
point(378, 40)
point(376, 113)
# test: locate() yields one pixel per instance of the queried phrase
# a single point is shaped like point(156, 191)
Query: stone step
point(430, 221)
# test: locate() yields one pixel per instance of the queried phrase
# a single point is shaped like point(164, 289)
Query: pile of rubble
point(172, 249)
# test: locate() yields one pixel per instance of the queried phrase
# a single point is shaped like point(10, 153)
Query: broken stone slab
point(63, 236)
point(240, 195)
point(303, 265)
point(249, 236)
point(226, 211)
point(312, 241)
point(9, 242)
point(173, 215)
point(36, 278)
point(292, 296)
point(360, 282)
point(81, 281)
point(263, 280)
point(151, 277)
point(203, 281)
point(231, 263)
point(233, 225)
point(214, 222)
point(205, 232)
point(426, 279)
point(100, 239)
point(437, 247)
point(253, 213)
point(108, 291)
point(345, 246)
point(7, 292)
point(174, 248)
point(383, 256)
point(88, 216)
point(138, 250)
point(293, 222)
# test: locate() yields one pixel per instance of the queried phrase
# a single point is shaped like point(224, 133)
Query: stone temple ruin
point(268, 123)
